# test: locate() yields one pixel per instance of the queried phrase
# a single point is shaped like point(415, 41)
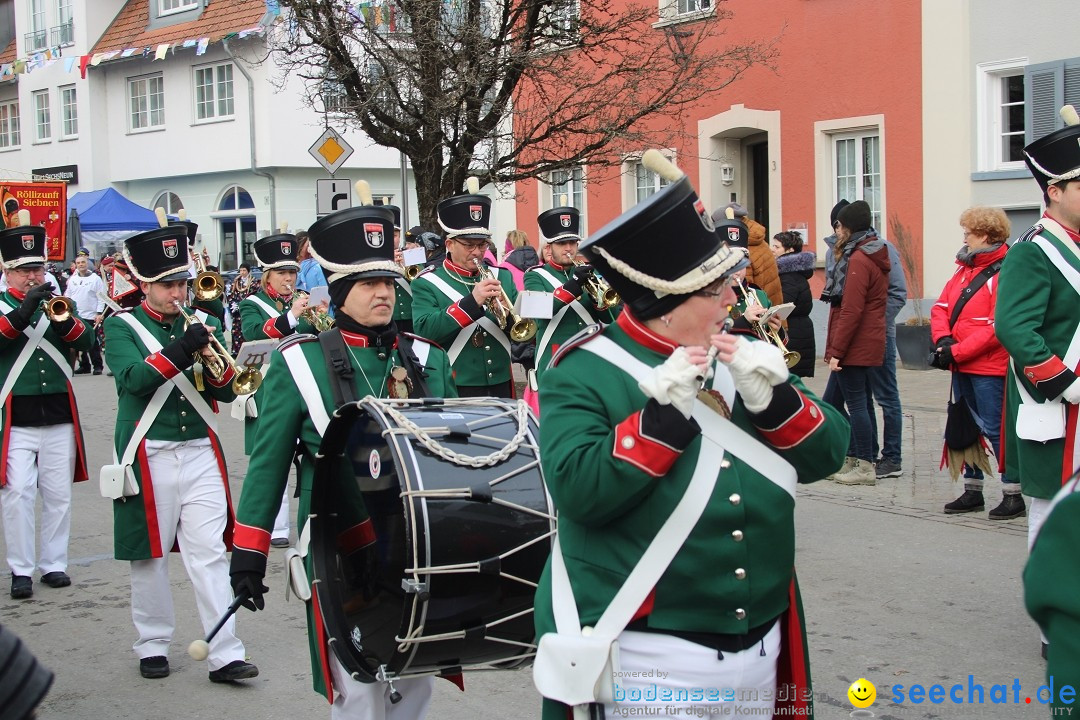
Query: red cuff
point(270, 329)
point(248, 537)
point(356, 537)
point(7, 330)
point(76, 330)
point(1049, 368)
point(162, 364)
point(797, 427)
point(563, 295)
point(224, 380)
point(641, 451)
point(460, 316)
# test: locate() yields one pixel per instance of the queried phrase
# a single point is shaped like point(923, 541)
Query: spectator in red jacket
point(971, 350)
point(856, 290)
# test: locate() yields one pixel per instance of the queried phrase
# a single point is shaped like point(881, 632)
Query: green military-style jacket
point(570, 313)
point(138, 373)
point(283, 420)
point(614, 486)
point(257, 323)
point(484, 356)
point(1037, 307)
point(1052, 591)
point(402, 299)
point(41, 375)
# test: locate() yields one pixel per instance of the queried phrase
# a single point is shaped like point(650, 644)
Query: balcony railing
point(36, 40)
point(62, 35)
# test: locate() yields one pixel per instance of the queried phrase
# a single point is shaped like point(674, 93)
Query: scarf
point(966, 256)
point(869, 243)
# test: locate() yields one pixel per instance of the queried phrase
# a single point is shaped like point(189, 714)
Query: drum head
point(422, 564)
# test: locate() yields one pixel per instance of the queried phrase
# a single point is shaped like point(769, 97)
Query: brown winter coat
point(762, 270)
point(856, 333)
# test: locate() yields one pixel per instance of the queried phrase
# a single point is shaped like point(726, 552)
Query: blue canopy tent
point(105, 218)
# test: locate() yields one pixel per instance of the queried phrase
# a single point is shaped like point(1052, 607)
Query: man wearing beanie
point(309, 378)
point(856, 289)
point(42, 451)
point(651, 447)
point(170, 484)
point(762, 271)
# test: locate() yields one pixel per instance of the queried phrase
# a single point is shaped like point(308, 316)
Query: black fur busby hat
point(277, 252)
point(466, 216)
point(1055, 157)
point(559, 224)
point(22, 246)
point(663, 249)
point(397, 215)
point(192, 230)
point(356, 242)
point(159, 255)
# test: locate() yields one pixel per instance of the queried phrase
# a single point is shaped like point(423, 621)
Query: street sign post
point(330, 150)
point(332, 194)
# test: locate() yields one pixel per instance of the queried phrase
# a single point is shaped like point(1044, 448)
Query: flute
point(711, 356)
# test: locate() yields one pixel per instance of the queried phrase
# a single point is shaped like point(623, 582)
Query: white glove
point(756, 368)
point(675, 382)
point(1072, 393)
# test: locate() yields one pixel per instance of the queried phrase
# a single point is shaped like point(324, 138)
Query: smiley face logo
point(862, 693)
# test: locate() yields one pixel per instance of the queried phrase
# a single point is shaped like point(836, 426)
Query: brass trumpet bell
point(59, 309)
point(412, 271)
point(521, 329)
point(208, 286)
point(247, 379)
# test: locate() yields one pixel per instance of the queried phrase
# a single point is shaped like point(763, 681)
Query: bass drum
point(430, 525)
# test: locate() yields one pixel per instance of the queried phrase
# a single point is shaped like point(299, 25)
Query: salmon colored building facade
point(839, 117)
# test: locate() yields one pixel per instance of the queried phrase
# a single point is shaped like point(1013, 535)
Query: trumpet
point(765, 331)
point(521, 329)
point(319, 318)
point(602, 294)
point(209, 285)
point(247, 379)
point(57, 308)
point(411, 271)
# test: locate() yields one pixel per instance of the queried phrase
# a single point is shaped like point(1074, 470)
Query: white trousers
point(1037, 510)
point(41, 461)
point(355, 700)
point(677, 678)
point(281, 522)
point(191, 509)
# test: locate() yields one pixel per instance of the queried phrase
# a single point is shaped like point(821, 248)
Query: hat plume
point(655, 161)
point(363, 191)
point(1068, 114)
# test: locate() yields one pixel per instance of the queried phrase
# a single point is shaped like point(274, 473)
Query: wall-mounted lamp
point(727, 174)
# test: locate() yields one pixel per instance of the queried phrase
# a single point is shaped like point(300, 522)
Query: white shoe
point(849, 463)
point(861, 474)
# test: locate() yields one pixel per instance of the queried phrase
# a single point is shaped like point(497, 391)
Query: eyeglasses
point(727, 284)
point(471, 246)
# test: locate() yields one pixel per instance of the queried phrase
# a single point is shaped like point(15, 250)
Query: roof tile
point(129, 28)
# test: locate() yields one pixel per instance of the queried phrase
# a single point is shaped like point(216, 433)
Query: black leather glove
point(945, 356)
point(580, 274)
point(249, 584)
point(197, 336)
point(945, 342)
point(31, 303)
point(523, 353)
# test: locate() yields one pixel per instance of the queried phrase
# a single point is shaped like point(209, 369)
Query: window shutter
point(1044, 87)
point(1072, 82)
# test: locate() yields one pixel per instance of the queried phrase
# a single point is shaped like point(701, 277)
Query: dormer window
point(168, 7)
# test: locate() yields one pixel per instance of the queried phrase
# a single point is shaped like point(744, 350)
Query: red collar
point(274, 295)
point(1073, 234)
point(450, 266)
point(643, 335)
point(20, 296)
point(357, 340)
point(154, 314)
point(556, 266)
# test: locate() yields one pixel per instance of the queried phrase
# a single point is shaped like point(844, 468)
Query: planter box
point(913, 345)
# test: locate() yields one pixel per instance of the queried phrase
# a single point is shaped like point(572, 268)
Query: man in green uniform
point(353, 248)
point(451, 302)
point(1039, 285)
point(275, 312)
point(572, 307)
point(629, 448)
point(42, 450)
point(177, 492)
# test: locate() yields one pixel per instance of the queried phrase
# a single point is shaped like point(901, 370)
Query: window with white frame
point(214, 92)
point(676, 10)
point(685, 7)
point(334, 97)
point(169, 202)
point(857, 170)
point(69, 112)
point(9, 124)
point(42, 116)
point(166, 7)
point(63, 34)
point(567, 183)
point(37, 38)
point(560, 19)
point(646, 182)
point(146, 97)
point(1002, 115)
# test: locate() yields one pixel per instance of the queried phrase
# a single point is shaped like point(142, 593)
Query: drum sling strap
point(341, 372)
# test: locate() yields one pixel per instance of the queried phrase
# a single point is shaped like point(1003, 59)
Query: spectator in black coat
point(796, 268)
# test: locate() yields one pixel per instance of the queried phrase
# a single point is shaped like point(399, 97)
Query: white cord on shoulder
point(691, 282)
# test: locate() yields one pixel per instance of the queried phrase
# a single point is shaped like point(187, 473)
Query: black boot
point(970, 501)
point(1012, 506)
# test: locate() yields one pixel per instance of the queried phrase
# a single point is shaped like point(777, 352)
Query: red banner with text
point(47, 204)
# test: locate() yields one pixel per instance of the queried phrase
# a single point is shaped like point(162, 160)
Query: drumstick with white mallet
point(200, 649)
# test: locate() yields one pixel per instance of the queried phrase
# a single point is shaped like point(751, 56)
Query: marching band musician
point(625, 439)
point(558, 275)
point(302, 391)
point(181, 494)
point(212, 306)
point(449, 301)
point(42, 451)
point(276, 312)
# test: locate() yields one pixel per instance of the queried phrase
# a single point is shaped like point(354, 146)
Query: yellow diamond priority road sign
point(331, 150)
